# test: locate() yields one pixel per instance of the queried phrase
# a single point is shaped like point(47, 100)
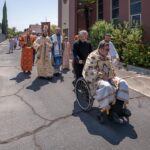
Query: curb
point(3, 41)
point(138, 70)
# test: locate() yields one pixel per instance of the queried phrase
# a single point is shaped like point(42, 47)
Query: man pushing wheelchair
point(109, 90)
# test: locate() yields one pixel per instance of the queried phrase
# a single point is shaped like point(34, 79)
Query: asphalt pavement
point(38, 114)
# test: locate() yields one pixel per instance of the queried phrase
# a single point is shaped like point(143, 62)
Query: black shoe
point(40, 77)
point(102, 117)
point(74, 83)
point(115, 117)
point(29, 72)
point(126, 112)
point(50, 78)
point(57, 74)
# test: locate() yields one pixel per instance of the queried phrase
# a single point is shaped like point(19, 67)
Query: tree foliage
point(4, 20)
point(84, 6)
point(98, 30)
point(53, 29)
point(87, 2)
point(12, 32)
point(127, 40)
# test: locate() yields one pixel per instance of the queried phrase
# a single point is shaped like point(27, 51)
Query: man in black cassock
point(81, 49)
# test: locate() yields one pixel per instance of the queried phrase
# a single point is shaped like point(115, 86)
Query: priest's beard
point(44, 35)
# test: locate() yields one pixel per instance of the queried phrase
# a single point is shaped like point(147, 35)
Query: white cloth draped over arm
point(56, 45)
point(36, 44)
point(112, 51)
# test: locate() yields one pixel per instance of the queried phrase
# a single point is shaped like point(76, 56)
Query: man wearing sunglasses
point(105, 86)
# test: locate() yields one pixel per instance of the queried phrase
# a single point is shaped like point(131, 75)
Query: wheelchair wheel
point(83, 94)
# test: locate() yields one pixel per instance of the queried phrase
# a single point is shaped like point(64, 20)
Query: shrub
point(98, 30)
point(127, 40)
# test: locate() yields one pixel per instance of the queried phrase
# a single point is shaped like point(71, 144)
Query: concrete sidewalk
point(137, 82)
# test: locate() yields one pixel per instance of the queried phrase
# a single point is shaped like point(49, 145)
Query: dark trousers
point(34, 52)
point(78, 70)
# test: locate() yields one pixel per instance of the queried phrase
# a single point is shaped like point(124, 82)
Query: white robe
point(57, 49)
point(95, 69)
point(44, 66)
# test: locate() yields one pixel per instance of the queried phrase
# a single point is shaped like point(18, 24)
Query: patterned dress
point(95, 70)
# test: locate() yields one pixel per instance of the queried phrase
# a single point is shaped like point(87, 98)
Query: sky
point(22, 13)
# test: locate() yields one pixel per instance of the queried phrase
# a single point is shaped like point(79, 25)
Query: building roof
point(36, 28)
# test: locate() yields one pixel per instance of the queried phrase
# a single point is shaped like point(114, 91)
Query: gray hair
point(102, 44)
point(82, 32)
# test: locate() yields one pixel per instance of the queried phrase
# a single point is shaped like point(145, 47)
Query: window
point(115, 10)
point(135, 11)
point(100, 9)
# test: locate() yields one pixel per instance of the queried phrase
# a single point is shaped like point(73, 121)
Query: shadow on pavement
point(57, 77)
point(111, 132)
point(65, 71)
point(21, 77)
point(37, 84)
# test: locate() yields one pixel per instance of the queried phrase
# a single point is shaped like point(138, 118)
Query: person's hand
point(118, 59)
point(115, 82)
point(41, 45)
point(55, 43)
point(105, 78)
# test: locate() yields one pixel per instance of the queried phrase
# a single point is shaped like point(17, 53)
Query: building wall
point(107, 10)
point(81, 22)
point(65, 15)
point(60, 13)
point(72, 20)
point(145, 18)
point(77, 20)
point(124, 10)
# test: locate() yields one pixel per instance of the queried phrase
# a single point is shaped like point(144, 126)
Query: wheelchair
point(85, 100)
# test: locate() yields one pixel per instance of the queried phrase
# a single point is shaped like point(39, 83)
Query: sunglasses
point(107, 49)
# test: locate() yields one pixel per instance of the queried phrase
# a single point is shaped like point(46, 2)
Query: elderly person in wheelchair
point(109, 90)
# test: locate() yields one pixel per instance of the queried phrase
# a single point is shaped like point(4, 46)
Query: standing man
point(11, 45)
point(66, 53)
point(57, 50)
point(81, 49)
point(43, 47)
point(113, 54)
point(26, 42)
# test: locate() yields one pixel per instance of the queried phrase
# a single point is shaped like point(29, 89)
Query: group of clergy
point(48, 52)
point(94, 66)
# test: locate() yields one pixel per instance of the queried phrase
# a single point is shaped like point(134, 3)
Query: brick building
point(71, 19)
point(36, 28)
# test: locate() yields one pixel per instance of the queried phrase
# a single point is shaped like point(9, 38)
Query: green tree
point(85, 7)
point(98, 31)
point(12, 32)
point(53, 29)
point(4, 20)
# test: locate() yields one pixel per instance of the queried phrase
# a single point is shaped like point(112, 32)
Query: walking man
point(57, 50)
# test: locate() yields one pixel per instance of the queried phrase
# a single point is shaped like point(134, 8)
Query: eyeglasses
point(107, 49)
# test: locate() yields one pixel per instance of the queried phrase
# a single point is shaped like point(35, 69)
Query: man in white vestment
point(105, 86)
point(57, 50)
point(113, 54)
point(43, 47)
